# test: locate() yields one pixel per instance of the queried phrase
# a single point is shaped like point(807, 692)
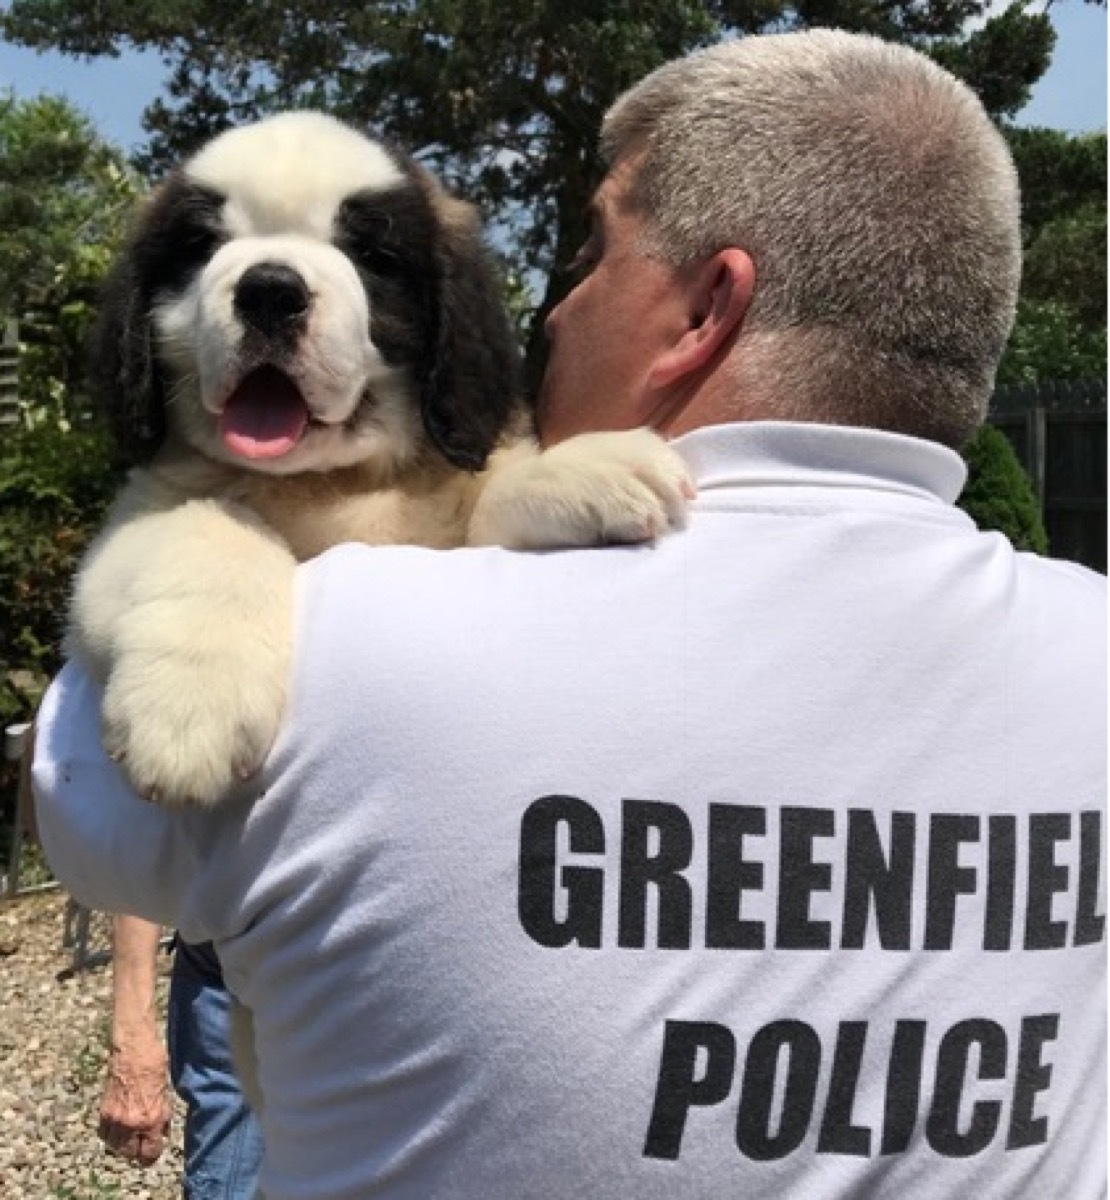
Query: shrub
point(54, 488)
point(998, 494)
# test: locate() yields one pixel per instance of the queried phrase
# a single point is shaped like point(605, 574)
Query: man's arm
point(135, 1106)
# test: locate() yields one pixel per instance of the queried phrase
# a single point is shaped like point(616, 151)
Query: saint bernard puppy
point(305, 343)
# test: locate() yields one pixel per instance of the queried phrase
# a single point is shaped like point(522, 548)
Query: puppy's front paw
point(186, 730)
point(598, 488)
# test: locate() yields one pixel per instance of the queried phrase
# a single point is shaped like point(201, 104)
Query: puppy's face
point(300, 298)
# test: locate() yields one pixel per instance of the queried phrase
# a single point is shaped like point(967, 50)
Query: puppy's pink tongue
point(265, 417)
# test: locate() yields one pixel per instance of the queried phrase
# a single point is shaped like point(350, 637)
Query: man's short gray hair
point(879, 204)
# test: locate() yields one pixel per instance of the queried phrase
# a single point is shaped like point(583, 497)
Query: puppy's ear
point(473, 386)
point(126, 381)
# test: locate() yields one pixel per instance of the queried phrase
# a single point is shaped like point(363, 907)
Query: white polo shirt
point(766, 861)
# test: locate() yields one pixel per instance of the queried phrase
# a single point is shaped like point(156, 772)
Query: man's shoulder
point(412, 596)
point(393, 572)
point(1069, 581)
point(399, 574)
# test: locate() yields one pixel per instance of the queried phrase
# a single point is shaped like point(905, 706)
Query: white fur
point(262, 168)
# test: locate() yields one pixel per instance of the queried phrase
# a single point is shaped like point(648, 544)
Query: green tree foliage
point(54, 490)
point(502, 97)
point(1060, 331)
point(1060, 173)
point(65, 196)
point(998, 494)
point(1000, 61)
point(1050, 343)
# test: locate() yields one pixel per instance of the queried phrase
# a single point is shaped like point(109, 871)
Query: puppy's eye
point(365, 234)
point(197, 240)
point(199, 215)
point(380, 258)
point(387, 233)
point(184, 230)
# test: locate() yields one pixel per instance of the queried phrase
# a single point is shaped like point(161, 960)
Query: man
point(760, 862)
point(222, 1144)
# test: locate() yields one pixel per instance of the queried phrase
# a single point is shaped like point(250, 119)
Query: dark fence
point(1059, 433)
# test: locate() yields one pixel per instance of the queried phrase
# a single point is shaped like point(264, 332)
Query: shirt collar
point(780, 454)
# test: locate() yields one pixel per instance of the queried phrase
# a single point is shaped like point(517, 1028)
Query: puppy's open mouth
point(265, 416)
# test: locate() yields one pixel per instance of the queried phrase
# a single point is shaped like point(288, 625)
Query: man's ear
point(720, 291)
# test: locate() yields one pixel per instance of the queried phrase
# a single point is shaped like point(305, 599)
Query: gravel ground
point(53, 1031)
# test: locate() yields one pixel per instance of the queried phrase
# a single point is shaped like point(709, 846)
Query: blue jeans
point(223, 1144)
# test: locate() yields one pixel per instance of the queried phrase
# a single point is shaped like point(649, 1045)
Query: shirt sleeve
point(107, 847)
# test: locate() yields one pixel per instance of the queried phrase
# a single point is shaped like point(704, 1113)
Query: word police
point(970, 1053)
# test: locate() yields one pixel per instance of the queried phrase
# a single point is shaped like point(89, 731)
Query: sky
point(114, 92)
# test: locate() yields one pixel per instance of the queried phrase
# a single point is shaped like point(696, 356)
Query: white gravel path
point(53, 1030)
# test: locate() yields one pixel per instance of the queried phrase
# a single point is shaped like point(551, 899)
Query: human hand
point(135, 1105)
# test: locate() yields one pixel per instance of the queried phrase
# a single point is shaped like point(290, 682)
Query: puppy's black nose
point(271, 297)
